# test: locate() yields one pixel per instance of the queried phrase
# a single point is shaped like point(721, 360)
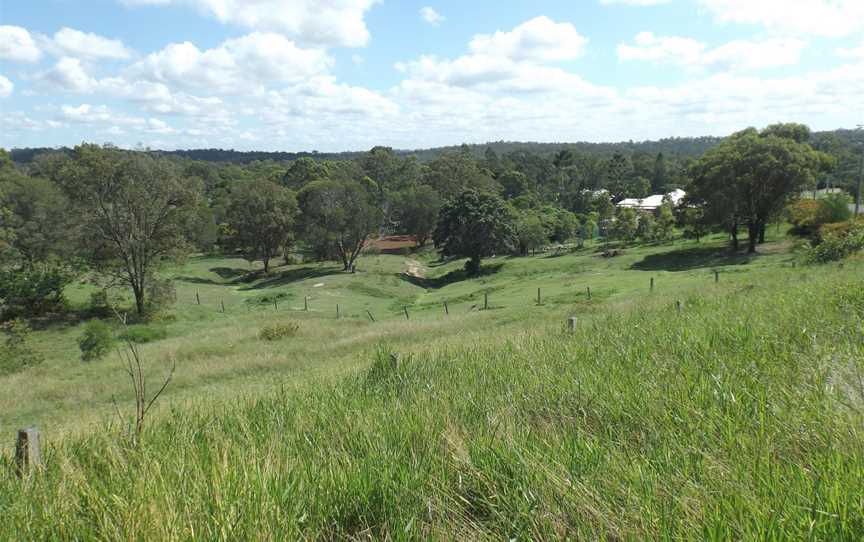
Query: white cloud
point(734, 55)
point(102, 114)
point(431, 16)
point(540, 39)
point(70, 42)
point(832, 18)
point(67, 75)
point(6, 87)
point(319, 22)
point(852, 52)
point(17, 45)
point(237, 65)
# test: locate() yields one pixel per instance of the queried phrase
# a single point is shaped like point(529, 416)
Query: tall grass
point(740, 418)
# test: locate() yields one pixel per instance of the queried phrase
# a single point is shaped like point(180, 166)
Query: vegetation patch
point(277, 332)
point(144, 333)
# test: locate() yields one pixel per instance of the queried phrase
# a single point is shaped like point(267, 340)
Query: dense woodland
point(113, 216)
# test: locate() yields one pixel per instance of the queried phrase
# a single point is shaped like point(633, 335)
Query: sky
point(333, 75)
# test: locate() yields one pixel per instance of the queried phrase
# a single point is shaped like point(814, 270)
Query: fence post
point(370, 315)
point(589, 292)
point(197, 297)
point(275, 305)
point(716, 276)
point(652, 284)
point(572, 323)
point(28, 451)
point(223, 305)
point(485, 302)
point(446, 308)
point(405, 308)
point(538, 297)
point(337, 311)
point(679, 306)
point(305, 302)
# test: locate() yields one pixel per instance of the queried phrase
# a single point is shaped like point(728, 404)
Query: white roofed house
point(652, 203)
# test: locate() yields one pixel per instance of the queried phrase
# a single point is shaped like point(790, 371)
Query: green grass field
point(739, 417)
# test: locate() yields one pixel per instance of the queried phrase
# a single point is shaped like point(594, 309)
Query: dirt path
point(415, 268)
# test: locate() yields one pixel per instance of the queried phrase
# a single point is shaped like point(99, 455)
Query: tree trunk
point(473, 266)
point(734, 233)
point(139, 299)
point(762, 228)
point(752, 237)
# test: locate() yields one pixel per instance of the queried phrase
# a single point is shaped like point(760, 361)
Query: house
point(651, 203)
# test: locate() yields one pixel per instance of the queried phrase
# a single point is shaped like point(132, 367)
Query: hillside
point(737, 417)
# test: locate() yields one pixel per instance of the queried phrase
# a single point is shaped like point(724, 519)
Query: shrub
point(99, 306)
point(804, 214)
point(15, 352)
point(33, 290)
point(96, 340)
point(144, 333)
point(838, 243)
point(278, 332)
point(161, 294)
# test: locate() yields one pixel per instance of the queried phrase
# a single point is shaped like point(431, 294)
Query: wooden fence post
point(305, 302)
point(370, 315)
point(716, 276)
point(446, 308)
point(572, 323)
point(337, 311)
point(275, 305)
point(679, 306)
point(223, 305)
point(405, 308)
point(197, 297)
point(485, 302)
point(538, 297)
point(652, 284)
point(28, 451)
point(589, 292)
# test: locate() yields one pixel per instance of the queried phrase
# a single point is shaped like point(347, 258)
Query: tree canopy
point(474, 225)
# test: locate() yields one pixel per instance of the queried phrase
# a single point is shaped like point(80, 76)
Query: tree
point(474, 225)
point(514, 184)
point(659, 178)
point(303, 171)
point(452, 172)
point(665, 223)
point(625, 224)
point(530, 233)
point(416, 210)
point(261, 218)
point(749, 178)
point(134, 210)
point(338, 217)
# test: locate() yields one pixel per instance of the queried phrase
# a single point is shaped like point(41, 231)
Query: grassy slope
point(740, 418)
point(219, 356)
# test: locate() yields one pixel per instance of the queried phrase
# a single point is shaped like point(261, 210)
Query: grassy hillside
point(219, 355)
point(739, 417)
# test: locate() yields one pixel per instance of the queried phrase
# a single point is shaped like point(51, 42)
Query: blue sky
point(350, 74)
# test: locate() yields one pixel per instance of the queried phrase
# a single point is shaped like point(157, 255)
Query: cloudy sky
point(349, 74)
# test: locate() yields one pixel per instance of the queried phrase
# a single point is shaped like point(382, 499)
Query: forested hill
point(673, 146)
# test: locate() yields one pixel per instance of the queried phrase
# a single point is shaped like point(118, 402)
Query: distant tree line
point(115, 216)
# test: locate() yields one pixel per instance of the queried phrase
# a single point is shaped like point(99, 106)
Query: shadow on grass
point(452, 277)
point(692, 258)
point(283, 278)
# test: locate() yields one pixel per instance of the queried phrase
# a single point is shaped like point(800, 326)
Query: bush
point(278, 332)
point(33, 290)
point(96, 340)
point(161, 294)
point(15, 352)
point(144, 333)
point(839, 242)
